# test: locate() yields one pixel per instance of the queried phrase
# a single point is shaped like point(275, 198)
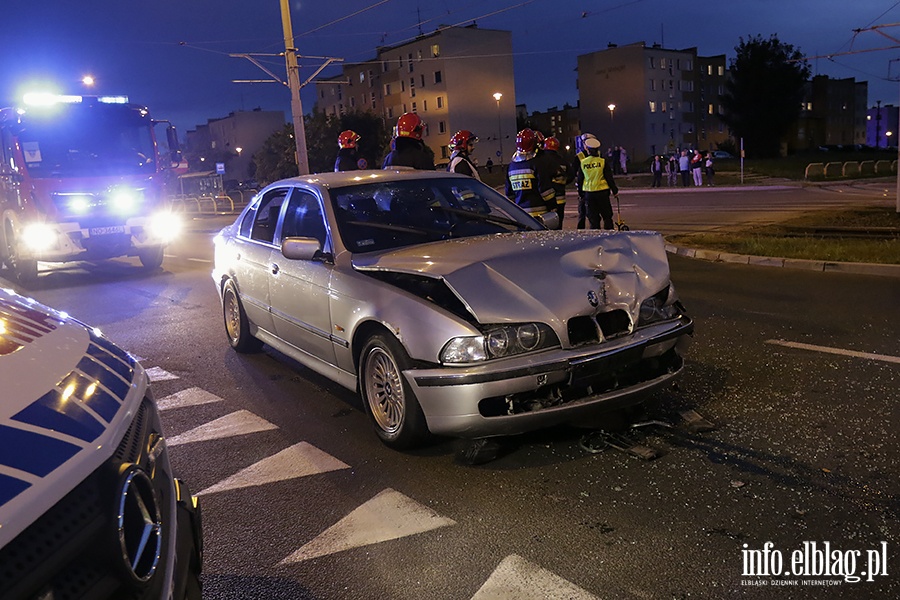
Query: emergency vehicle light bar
point(48, 99)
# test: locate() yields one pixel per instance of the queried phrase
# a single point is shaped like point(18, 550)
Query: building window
point(444, 152)
point(652, 85)
point(437, 77)
point(442, 128)
point(390, 112)
point(688, 65)
point(440, 102)
point(662, 106)
point(424, 105)
point(662, 63)
point(422, 80)
point(412, 92)
point(652, 62)
point(410, 63)
point(404, 107)
point(371, 78)
point(419, 54)
point(435, 50)
point(362, 76)
point(711, 109)
point(414, 107)
point(402, 86)
point(400, 61)
point(652, 106)
point(352, 102)
point(387, 89)
point(721, 70)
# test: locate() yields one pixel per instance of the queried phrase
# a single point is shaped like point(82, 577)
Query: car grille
point(584, 329)
point(73, 551)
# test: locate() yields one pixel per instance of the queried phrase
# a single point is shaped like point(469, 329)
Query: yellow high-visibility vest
point(594, 180)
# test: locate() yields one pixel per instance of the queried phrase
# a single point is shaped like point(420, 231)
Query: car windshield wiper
point(474, 216)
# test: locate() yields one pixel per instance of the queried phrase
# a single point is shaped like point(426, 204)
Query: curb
point(821, 266)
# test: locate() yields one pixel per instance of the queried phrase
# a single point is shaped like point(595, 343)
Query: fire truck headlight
point(79, 205)
point(38, 237)
point(125, 201)
point(165, 226)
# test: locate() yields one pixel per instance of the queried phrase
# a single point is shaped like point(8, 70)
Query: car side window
point(303, 217)
point(266, 217)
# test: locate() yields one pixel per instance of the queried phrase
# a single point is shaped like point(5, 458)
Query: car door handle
point(275, 269)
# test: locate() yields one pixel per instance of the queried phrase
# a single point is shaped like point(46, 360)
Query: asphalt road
point(798, 372)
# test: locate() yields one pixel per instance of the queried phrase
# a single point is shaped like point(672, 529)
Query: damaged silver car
point(449, 309)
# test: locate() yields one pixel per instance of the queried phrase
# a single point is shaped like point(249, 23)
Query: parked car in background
point(722, 155)
point(89, 507)
point(448, 308)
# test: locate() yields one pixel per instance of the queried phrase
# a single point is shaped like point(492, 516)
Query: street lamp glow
point(497, 96)
point(239, 150)
point(87, 80)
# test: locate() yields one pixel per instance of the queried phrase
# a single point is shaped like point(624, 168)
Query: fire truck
point(83, 178)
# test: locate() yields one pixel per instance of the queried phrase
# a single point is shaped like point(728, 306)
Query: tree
point(277, 158)
point(763, 95)
point(322, 133)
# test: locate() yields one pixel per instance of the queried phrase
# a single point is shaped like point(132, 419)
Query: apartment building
point(455, 78)
point(652, 100)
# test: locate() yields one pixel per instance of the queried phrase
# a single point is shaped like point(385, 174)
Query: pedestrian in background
point(684, 167)
point(623, 160)
point(710, 169)
point(671, 171)
point(656, 169)
point(697, 168)
point(490, 165)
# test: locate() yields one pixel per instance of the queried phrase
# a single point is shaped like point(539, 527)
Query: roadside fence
point(835, 170)
point(208, 204)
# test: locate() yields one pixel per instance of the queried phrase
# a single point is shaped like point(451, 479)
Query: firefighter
point(348, 155)
point(594, 180)
point(563, 174)
point(461, 145)
point(528, 180)
point(407, 147)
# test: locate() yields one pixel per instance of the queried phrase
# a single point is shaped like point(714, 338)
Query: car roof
point(345, 178)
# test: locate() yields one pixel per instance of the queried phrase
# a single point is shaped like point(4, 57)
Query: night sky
point(173, 55)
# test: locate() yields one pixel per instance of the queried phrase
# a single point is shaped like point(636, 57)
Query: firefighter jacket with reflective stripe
point(529, 184)
point(460, 163)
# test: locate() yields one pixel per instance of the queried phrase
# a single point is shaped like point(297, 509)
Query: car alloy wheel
point(236, 326)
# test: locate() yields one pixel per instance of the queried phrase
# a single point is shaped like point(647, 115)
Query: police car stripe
point(51, 411)
point(93, 396)
point(104, 376)
point(112, 362)
point(10, 487)
point(114, 350)
point(45, 454)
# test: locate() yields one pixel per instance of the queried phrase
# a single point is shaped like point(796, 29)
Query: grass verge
point(813, 237)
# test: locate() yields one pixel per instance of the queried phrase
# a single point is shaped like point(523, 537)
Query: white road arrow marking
point(237, 423)
point(523, 580)
point(158, 374)
point(189, 397)
point(388, 516)
point(299, 460)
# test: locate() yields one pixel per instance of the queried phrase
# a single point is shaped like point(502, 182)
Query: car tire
point(24, 271)
point(390, 402)
point(237, 326)
point(151, 258)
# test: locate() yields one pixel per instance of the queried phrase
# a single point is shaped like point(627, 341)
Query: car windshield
point(391, 214)
point(88, 141)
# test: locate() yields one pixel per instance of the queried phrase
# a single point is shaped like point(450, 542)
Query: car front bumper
point(558, 386)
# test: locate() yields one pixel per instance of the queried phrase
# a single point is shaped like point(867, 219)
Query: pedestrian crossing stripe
point(521, 579)
point(237, 423)
point(300, 460)
point(388, 516)
point(159, 374)
point(190, 397)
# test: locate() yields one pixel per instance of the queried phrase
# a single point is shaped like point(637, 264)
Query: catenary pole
point(293, 76)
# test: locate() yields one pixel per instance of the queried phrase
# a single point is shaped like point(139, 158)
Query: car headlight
point(499, 341)
point(124, 201)
point(661, 306)
point(165, 226)
point(38, 236)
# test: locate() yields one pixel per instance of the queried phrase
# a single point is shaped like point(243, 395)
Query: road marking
point(297, 461)
point(200, 260)
point(237, 423)
point(158, 374)
point(190, 397)
point(826, 349)
point(523, 580)
point(388, 516)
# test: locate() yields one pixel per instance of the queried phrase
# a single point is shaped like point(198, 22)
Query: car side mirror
point(301, 248)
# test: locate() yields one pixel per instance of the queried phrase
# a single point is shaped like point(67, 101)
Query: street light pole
point(497, 96)
point(611, 107)
point(293, 75)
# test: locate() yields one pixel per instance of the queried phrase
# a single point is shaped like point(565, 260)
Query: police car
point(89, 507)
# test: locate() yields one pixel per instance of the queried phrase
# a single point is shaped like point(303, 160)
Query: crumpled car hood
point(545, 276)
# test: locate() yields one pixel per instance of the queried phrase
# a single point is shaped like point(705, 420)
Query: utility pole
point(293, 77)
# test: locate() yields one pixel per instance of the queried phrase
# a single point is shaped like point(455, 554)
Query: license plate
point(107, 230)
